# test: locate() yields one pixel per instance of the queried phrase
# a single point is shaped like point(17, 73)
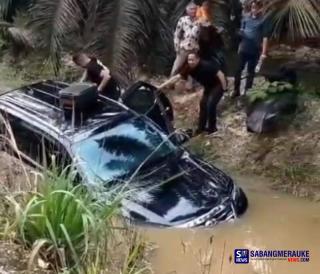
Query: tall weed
point(60, 221)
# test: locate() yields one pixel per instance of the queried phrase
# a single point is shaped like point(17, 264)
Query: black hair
point(76, 57)
point(258, 3)
point(195, 52)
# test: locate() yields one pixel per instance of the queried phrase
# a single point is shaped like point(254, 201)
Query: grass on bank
point(65, 226)
point(33, 68)
point(61, 224)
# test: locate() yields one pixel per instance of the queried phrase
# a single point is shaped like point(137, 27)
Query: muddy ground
point(14, 260)
point(289, 159)
point(14, 177)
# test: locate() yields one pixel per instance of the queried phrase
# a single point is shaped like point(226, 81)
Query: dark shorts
point(112, 90)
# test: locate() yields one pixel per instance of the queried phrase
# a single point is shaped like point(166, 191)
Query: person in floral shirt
point(186, 38)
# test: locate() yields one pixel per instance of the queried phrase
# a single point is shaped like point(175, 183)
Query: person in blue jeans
point(253, 46)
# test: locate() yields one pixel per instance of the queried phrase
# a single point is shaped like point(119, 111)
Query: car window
point(36, 144)
point(115, 153)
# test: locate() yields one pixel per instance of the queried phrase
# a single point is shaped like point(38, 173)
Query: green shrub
point(269, 90)
point(61, 222)
point(70, 231)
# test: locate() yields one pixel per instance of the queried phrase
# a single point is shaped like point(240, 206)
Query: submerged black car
point(111, 144)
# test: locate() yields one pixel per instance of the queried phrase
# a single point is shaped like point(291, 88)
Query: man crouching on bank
point(214, 82)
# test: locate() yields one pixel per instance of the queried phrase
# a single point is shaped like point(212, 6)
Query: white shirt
point(187, 32)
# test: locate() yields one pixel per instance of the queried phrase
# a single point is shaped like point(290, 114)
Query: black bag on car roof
point(78, 96)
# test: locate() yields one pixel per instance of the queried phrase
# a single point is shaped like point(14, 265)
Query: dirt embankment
point(14, 178)
point(290, 159)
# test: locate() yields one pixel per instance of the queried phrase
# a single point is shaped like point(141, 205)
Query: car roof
point(38, 103)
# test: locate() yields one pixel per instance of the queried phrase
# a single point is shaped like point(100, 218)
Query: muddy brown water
point(273, 222)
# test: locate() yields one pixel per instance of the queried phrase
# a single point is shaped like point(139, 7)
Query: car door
point(146, 99)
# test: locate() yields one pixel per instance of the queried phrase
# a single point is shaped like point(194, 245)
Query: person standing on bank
point(212, 47)
point(253, 46)
point(186, 38)
point(214, 82)
point(99, 74)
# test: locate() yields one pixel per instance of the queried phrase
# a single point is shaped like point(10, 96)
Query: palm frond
point(18, 33)
point(9, 8)
point(294, 19)
point(4, 8)
point(54, 20)
point(22, 37)
point(88, 34)
point(124, 27)
point(160, 41)
point(5, 24)
point(178, 11)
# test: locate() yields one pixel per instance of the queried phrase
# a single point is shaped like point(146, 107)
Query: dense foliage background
point(130, 33)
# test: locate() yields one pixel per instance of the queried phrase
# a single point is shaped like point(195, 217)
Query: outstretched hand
point(263, 57)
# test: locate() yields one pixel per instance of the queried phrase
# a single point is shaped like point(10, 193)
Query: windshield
point(108, 154)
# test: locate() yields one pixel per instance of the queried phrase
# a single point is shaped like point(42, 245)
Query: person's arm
point(241, 32)
point(264, 47)
point(243, 24)
point(105, 75)
point(171, 81)
point(84, 76)
point(177, 35)
point(222, 79)
point(266, 30)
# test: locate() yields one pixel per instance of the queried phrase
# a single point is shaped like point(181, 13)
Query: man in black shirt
point(214, 83)
point(99, 74)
